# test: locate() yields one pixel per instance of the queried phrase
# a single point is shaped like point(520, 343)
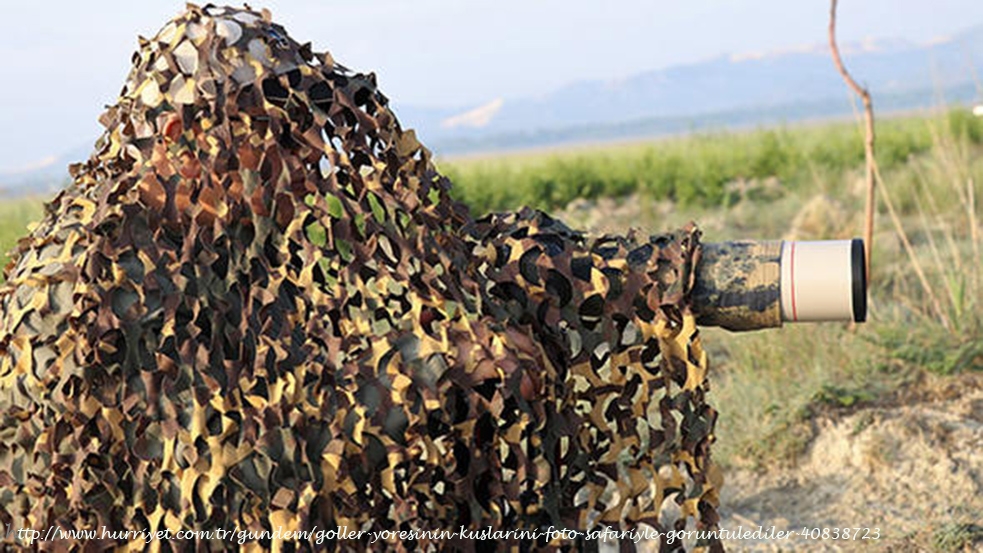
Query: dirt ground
point(911, 467)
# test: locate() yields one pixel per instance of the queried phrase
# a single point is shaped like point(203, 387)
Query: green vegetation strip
point(692, 170)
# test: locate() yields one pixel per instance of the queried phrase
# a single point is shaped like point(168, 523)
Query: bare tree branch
point(874, 176)
point(868, 142)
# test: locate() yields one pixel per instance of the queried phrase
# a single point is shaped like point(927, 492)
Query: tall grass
point(767, 385)
point(938, 318)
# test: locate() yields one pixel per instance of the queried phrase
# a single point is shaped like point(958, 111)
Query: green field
point(804, 181)
point(695, 170)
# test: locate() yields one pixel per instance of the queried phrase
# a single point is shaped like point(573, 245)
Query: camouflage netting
point(257, 306)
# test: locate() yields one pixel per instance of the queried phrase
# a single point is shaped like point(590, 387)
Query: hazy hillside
point(726, 91)
point(49, 176)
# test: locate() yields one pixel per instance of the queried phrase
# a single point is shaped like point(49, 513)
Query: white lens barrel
point(823, 281)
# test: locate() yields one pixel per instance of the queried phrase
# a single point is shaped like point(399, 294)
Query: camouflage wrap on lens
point(256, 306)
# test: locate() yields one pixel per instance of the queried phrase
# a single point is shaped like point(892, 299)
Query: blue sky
point(62, 61)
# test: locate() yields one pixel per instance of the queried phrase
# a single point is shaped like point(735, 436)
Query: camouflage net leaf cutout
point(258, 306)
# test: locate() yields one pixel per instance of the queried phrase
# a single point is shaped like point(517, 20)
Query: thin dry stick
point(916, 265)
point(868, 143)
point(974, 232)
point(945, 226)
point(937, 256)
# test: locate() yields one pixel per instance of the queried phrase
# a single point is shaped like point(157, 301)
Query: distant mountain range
point(725, 92)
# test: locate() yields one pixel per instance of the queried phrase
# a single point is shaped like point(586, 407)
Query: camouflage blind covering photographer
point(257, 305)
